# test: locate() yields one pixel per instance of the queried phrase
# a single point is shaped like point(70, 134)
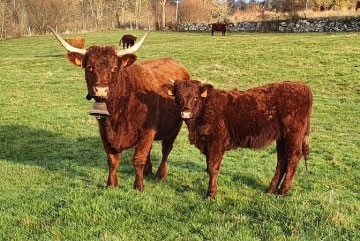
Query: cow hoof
point(139, 187)
point(211, 196)
point(147, 170)
point(160, 176)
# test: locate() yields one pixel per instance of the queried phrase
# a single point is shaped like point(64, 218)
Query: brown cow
point(76, 42)
point(357, 5)
point(221, 27)
point(127, 40)
point(219, 121)
point(139, 111)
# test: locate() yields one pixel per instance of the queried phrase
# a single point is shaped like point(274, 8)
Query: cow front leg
point(148, 165)
point(113, 163)
point(142, 151)
point(162, 171)
point(213, 160)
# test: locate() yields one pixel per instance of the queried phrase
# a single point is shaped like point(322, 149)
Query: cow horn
point(134, 48)
point(66, 45)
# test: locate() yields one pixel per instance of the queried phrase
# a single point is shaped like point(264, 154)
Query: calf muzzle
point(99, 110)
point(186, 115)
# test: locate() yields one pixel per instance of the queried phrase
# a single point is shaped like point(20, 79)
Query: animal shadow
point(43, 148)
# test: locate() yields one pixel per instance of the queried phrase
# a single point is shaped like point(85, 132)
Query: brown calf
point(219, 121)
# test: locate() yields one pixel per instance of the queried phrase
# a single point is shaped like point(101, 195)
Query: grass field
point(53, 169)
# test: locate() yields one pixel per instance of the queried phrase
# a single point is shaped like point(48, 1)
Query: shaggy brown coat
point(139, 111)
point(127, 40)
point(76, 42)
point(219, 121)
point(220, 27)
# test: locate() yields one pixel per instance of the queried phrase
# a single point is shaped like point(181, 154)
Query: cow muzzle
point(186, 115)
point(101, 92)
point(99, 110)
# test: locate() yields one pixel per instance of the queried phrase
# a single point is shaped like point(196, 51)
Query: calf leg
point(293, 153)
point(113, 162)
point(280, 167)
point(213, 160)
point(142, 151)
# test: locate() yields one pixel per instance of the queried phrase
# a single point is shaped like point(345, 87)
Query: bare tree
point(163, 18)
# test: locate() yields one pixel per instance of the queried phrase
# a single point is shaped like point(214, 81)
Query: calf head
point(189, 96)
point(101, 64)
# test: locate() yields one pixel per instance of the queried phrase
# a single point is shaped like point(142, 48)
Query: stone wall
point(299, 26)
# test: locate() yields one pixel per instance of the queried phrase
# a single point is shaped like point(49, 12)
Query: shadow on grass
point(51, 55)
point(250, 180)
point(74, 156)
point(37, 147)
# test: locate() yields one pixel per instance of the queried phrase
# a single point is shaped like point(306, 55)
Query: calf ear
point(206, 90)
point(168, 88)
point(127, 60)
point(75, 58)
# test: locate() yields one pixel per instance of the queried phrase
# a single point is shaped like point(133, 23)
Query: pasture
point(53, 168)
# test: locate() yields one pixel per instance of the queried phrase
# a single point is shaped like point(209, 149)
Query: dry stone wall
point(299, 26)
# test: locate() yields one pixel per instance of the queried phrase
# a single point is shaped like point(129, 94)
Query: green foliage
point(54, 171)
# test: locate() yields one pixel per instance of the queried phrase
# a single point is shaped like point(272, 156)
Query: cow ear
point(206, 90)
point(168, 88)
point(127, 60)
point(75, 58)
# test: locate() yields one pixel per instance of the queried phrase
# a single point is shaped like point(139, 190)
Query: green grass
point(54, 171)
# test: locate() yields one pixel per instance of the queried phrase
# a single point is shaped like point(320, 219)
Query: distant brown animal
point(76, 42)
point(357, 6)
point(139, 110)
point(127, 40)
point(219, 121)
point(221, 27)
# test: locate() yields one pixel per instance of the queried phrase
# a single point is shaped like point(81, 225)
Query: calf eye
point(114, 69)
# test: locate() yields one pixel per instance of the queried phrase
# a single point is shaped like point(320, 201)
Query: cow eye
point(89, 68)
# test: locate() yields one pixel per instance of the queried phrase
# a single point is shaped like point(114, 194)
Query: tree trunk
point(163, 22)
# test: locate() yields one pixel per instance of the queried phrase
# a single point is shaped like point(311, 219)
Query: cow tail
point(306, 145)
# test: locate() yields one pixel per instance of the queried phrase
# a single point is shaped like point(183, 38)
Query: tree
point(163, 19)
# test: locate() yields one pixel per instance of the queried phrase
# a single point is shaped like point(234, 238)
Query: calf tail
point(306, 146)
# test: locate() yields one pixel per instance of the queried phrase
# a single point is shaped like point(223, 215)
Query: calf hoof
point(271, 190)
point(161, 175)
point(139, 187)
point(282, 192)
point(111, 184)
